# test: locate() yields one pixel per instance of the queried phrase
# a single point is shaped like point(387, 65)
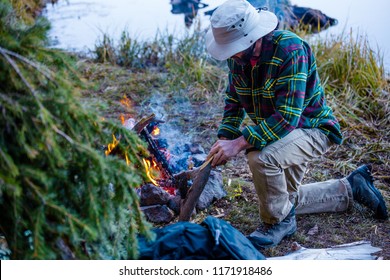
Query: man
point(273, 78)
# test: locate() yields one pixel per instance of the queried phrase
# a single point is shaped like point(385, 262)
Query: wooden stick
point(193, 194)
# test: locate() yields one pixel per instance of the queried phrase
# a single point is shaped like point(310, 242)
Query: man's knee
point(261, 160)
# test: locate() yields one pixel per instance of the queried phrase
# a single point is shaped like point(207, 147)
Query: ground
point(315, 230)
point(200, 122)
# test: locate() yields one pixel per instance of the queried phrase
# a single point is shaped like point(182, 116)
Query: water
point(79, 24)
point(365, 18)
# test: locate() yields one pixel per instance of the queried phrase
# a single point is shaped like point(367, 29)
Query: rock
point(174, 204)
point(212, 191)
point(196, 149)
point(158, 214)
point(5, 252)
point(152, 195)
point(198, 159)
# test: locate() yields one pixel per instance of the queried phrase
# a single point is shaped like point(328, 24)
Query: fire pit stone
point(158, 214)
point(152, 195)
point(174, 204)
point(212, 191)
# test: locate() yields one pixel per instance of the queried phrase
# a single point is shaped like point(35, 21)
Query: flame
point(156, 131)
point(149, 169)
point(127, 159)
point(125, 101)
point(170, 190)
point(112, 145)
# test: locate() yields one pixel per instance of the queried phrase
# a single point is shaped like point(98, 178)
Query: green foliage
point(60, 195)
point(185, 60)
point(354, 74)
point(357, 89)
point(234, 188)
point(27, 10)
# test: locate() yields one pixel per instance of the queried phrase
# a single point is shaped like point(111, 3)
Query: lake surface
point(79, 24)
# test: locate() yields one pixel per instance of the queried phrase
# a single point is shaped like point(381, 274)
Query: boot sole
point(382, 204)
point(260, 245)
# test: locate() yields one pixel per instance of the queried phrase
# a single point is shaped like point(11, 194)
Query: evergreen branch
point(73, 218)
point(48, 139)
point(68, 66)
point(63, 211)
point(12, 168)
point(17, 70)
point(94, 207)
point(63, 134)
point(38, 224)
point(35, 189)
point(44, 72)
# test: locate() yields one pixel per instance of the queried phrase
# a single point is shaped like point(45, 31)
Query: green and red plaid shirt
point(280, 93)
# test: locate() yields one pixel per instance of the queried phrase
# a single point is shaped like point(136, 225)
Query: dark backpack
point(213, 239)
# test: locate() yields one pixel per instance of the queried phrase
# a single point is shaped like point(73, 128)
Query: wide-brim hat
point(235, 26)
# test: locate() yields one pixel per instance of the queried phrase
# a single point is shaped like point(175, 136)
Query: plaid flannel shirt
point(281, 92)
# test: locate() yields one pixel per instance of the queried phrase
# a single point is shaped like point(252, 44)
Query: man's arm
point(233, 114)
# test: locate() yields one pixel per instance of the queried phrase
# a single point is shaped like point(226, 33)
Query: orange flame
point(156, 131)
point(125, 101)
point(122, 118)
point(127, 159)
point(149, 169)
point(112, 145)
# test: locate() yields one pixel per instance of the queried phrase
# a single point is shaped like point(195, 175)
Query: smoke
point(175, 113)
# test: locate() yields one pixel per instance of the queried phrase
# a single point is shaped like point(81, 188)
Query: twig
point(17, 70)
point(63, 134)
point(219, 215)
point(44, 72)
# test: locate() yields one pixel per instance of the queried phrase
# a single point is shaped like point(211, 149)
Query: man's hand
point(223, 150)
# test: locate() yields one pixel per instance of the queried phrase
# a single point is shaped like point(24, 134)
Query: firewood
point(200, 178)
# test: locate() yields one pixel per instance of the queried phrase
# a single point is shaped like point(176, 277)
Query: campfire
point(177, 175)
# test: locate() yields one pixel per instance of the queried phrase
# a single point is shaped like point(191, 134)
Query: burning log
point(141, 129)
point(199, 176)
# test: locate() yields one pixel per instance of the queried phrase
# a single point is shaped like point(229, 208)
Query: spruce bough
point(60, 195)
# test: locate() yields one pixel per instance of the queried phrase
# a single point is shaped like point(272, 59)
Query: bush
point(60, 196)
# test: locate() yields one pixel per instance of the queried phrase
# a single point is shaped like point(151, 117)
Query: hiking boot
point(273, 234)
point(364, 192)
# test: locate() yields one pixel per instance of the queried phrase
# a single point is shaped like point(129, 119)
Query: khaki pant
point(278, 171)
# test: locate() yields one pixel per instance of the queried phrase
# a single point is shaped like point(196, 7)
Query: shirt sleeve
point(233, 114)
point(289, 99)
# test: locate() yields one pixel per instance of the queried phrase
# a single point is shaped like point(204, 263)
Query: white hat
point(235, 26)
